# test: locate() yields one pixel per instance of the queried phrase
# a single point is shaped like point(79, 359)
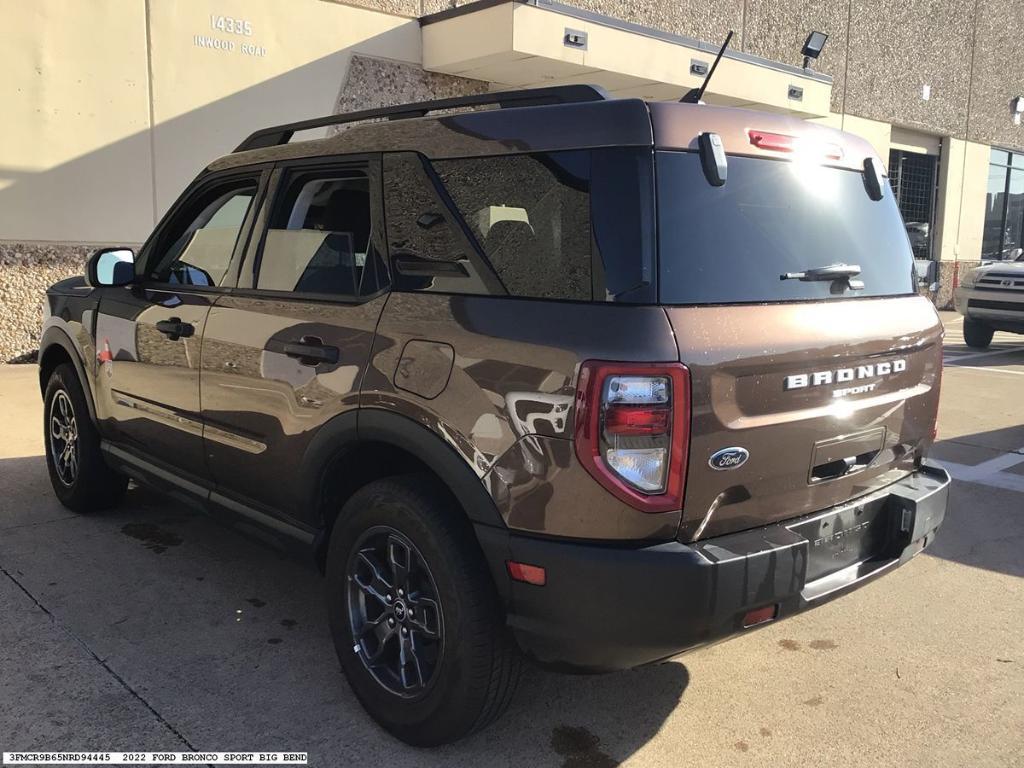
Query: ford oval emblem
point(729, 458)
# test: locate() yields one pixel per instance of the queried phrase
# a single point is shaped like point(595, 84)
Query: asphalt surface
point(152, 627)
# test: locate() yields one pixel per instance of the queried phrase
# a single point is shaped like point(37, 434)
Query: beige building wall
point(872, 131)
point(206, 100)
point(74, 82)
point(960, 209)
point(112, 106)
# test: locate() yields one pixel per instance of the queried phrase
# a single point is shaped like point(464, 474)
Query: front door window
point(198, 250)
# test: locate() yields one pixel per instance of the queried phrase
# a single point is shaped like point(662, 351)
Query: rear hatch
point(806, 394)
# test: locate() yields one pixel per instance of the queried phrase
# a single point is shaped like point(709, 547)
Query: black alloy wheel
point(63, 432)
point(394, 611)
point(417, 622)
point(80, 477)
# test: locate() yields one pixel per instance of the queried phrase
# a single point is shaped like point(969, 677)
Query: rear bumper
point(605, 607)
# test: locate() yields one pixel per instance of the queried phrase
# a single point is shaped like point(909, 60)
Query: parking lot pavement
point(153, 627)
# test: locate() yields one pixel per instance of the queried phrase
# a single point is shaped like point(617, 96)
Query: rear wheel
point(414, 615)
point(977, 335)
point(80, 478)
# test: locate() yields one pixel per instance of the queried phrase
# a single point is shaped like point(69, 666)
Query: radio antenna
point(693, 96)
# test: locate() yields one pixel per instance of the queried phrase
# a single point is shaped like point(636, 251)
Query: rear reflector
point(528, 574)
point(759, 616)
point(638, 420)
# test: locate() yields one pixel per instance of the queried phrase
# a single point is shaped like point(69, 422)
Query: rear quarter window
point(731, 244)
point(575, 225)
point(531, 216)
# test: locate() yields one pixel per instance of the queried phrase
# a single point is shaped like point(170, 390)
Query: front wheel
point(80, 478)
point(415, 617)
point(977, 335)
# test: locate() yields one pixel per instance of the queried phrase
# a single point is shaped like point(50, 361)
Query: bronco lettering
point(820, 378)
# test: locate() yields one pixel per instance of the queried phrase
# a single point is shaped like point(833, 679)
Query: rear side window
point(731, 244)
point(430, 251)
point(319, 238)
point(573, 225)
point(531, 216)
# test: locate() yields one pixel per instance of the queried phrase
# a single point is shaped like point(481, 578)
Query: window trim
point(279, 179)
point(200, 186)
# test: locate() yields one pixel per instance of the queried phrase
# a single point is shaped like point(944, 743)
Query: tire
point(467, 661)
point(80, 477)
point(977, 335)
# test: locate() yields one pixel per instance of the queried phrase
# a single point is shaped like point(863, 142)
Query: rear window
point(730, 244)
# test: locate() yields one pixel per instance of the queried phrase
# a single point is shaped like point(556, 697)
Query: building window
point(1004, 206)
point(912, 176)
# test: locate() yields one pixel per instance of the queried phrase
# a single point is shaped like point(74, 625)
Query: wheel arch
point(358, 447)
point(56, 347)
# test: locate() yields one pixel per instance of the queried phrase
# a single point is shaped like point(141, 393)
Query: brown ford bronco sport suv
point(593, 380)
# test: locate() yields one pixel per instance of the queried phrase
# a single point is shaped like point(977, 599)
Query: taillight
point(780, 142)
point(632, 430)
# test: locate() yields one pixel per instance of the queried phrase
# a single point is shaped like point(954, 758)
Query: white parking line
point(991, 472)
point(990, 353)
point(987, 370)
point(1006, 481)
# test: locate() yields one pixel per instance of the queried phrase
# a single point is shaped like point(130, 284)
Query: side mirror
point(110, 266)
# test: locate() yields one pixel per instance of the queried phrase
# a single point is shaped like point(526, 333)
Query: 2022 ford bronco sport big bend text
point(598, 380)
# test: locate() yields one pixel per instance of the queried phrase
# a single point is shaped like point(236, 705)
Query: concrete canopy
point(529, 43)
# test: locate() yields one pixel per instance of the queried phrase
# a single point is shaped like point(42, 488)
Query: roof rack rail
point(528, 97)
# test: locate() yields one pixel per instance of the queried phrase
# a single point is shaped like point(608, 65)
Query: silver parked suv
point(991, 298)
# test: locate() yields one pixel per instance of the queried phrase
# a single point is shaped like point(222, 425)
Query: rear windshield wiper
point(827, 274)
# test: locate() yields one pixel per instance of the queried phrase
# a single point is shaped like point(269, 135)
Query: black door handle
point(311, 350)
point(174, 329)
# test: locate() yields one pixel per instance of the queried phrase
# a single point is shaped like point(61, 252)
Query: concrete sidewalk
point(153, 627)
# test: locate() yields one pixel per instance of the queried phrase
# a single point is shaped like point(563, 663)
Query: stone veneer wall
point(373, 83)
point(947, 270)
point(26, 271)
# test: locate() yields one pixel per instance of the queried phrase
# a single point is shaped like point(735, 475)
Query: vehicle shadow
point(227, 639)
point(983, 526)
